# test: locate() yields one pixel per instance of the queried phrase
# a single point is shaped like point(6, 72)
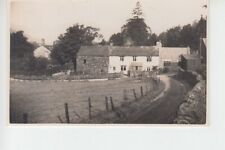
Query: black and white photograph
point(108, 62)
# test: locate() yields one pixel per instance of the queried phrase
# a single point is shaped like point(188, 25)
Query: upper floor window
point(84, 61)
point(114, 68)
point(149, 58)
point(121, 58)
point(134, 58)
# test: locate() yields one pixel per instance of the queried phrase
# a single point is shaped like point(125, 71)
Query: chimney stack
point(42, 42)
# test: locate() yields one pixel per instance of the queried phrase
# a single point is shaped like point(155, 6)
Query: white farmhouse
point(134, 58)
point(42, 52)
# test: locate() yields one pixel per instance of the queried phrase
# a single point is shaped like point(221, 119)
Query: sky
point(49, 18)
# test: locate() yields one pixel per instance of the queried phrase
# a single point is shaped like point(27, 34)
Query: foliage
point(21, 53)
point(69, 43)
point(188, 35)
point(135, 31)
point(117, 39)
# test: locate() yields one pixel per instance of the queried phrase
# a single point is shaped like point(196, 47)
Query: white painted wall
point(42, 52)
point(114, 61)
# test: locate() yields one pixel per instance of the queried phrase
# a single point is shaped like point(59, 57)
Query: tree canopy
point(69, 43)
point(188, 35)
point(136, 31)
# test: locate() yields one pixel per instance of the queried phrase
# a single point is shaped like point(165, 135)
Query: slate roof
point(134, 51)
point(118, 51)
point(190, 56)
point(93, 51)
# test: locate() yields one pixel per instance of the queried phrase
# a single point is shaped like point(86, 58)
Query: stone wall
point(193, 110)
point(92, 64)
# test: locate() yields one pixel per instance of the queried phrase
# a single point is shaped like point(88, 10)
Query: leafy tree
point(153, 38)
point(68, 44)
point(21, 53)
point(19, 46)
point(136, 29)
point(117, 39)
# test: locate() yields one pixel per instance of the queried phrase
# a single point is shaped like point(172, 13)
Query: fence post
point(112, 105)
point(106, 103)
point(125, 94)
point(135, 96)
point(25, 118)
point(60, 119)
point(142, 94)
point(146, 86)
point(89, 107)
point(67, 113)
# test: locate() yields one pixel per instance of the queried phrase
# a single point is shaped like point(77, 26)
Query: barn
point(190, 62)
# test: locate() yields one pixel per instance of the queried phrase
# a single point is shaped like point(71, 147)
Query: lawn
point(44, 101)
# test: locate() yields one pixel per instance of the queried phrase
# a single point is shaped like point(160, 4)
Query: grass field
point(44, 101)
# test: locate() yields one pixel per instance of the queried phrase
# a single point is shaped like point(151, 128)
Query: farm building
point(190, 62)
point(110, 59)
point(170, 56)
point(93, 60)
point(42, 52)
point(118, 59)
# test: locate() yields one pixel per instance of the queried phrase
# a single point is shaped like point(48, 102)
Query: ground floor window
point(148, 69)
point(114, 68)
point(136, 67)
point(167, 63)
point(123, 68)
point(154, 68)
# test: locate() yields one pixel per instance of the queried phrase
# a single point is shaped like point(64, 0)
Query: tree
point(136, 29)
point(19, 46)
point(21, 53)
point(117, 39)
point(153, 38)
point(68, 44)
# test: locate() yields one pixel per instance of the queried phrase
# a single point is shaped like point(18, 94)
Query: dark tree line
point(136, 32)
point(188, 35)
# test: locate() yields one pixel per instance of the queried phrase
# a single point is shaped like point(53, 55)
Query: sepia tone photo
point(108, 62)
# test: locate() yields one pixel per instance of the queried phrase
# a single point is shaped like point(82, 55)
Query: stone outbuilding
point(190, 62)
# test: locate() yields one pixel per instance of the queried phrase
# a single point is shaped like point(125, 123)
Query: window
point(134, 58)
point(114, 68)
point(85, 61)
point(123, 68)
point(167, 63)
point(148, 69)
point(136, 67)
point(154, 68)
point(121, 58)
point(149, 58)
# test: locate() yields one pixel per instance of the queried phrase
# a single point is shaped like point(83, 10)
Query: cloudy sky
point(47, 19)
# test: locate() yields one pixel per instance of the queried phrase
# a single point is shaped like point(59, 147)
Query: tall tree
point(19, 46)
point(136, 29)
point(21, 52)
point(68, 44)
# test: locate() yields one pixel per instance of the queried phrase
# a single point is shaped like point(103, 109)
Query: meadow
point(43, 101)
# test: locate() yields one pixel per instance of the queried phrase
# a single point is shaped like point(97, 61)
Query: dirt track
point(163, 108)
